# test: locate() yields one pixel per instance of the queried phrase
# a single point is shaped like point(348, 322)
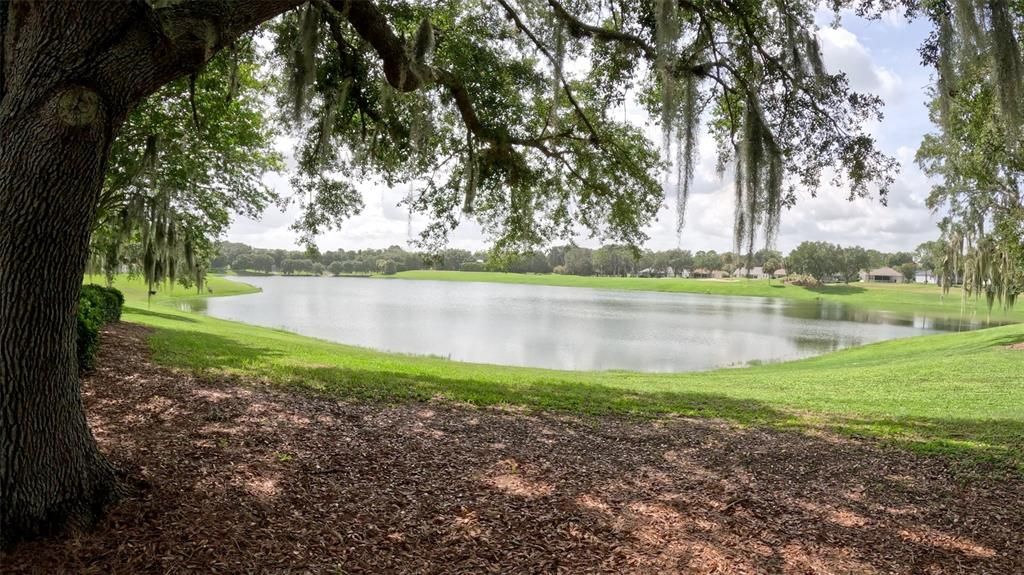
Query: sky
point(877, 56)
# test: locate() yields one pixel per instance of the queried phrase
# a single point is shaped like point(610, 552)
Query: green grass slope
point(922, 299)
point(957, 394)
point(135, 291)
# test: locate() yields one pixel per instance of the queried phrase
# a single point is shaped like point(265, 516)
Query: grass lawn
point(922, 299)
point(956, 394)
point(135, 292)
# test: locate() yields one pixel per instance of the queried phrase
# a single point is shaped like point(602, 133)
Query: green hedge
point(97, 305)
point(108, 300)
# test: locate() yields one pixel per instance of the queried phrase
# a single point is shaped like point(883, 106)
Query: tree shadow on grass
point(995, 442)
point(156, 314)
point(844, 289)
point(205, 351)
point(989, 443)
point(1008, 339)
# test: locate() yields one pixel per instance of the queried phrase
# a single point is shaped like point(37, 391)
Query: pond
point(558, 327)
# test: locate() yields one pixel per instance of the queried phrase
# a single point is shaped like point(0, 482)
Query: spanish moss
point(1009, 71)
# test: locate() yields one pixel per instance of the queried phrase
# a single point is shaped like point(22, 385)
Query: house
point(755, 273)
point(700, 273)
point(882, 275)
point(780, 273)
point(719, 274)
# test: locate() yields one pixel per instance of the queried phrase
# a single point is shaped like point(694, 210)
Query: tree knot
point(78, 106)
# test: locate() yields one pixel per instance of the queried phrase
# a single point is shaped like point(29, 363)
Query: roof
point(885, 271)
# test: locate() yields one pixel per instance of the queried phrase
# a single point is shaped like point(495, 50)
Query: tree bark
point(55, 133)
point(51, 170)
point(70, 72)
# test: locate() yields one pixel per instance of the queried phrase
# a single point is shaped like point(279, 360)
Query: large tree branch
point(464, 104)
point(183, 36)
point(581, 28)
point(404, 74)
point(595, 137)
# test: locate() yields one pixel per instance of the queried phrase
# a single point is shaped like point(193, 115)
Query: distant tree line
point(826, 262)
point(822, 261)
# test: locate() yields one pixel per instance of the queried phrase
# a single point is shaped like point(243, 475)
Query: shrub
point(97, 305)
point(108, 300)
point(802, 280)
point(119, 297)
point(90, 319)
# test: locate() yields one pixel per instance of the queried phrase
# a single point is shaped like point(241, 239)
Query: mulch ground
point(244, 479)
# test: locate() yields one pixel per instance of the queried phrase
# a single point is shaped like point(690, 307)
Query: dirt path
point(248, 480)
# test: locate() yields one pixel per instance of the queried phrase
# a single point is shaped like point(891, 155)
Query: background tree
point(820, 260)
point(762, 256)
point(186, 161)
point(556, 256)
point(680, 260)
point(294, 266)
point(770, 266)
point(242, 262)
point(709, 260)
point(897, 259)
point(336, 268)
point(853, 260)
point(578, 261)
point(876, 258)
point(263, 262)
point(928, 256)
point(909, 271)
point(978, 155)
point(451, 259)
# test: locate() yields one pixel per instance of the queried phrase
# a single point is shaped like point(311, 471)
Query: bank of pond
point(576, 329)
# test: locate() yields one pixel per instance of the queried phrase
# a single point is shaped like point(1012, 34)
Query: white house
point(756, 273)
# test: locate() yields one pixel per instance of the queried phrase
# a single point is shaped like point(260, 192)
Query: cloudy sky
point(878, 57)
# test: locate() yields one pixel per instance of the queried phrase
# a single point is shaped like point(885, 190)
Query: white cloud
point(843, 52)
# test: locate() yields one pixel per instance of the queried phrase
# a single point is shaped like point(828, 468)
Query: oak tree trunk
point(70, 72)
point(55, 133)
point(51, 171)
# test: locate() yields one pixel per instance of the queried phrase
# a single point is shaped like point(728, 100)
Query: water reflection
point(564, 328)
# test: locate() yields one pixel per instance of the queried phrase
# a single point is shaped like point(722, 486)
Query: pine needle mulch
point(244, 479)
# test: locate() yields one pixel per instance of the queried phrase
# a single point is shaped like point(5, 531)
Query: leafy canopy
point(511, 112)
point(186, 161)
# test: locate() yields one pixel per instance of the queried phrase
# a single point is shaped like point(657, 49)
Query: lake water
point(556, 327)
